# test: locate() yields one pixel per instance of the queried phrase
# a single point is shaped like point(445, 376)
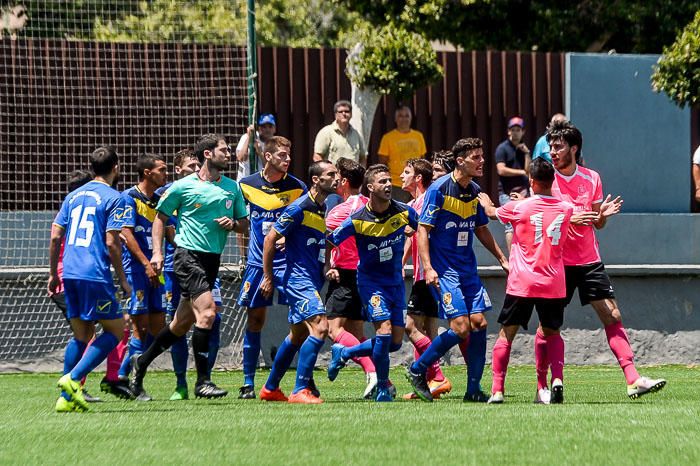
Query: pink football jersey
point(581, 190)
point(418, 272)
point(345, 255)
point(539, 234)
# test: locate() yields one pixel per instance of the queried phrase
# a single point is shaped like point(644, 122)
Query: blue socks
point(74, 351)
point(307, 360)
point(214, 342)
point(440, 345)
point(135, 347)
point(283, 359)
point(358, 351)
point(98, 352)
point(251, 351)
point(179, 354)
point(380, 357)
point(476, 360)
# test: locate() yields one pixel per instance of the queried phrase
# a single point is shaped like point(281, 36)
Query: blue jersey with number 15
point(86, 215)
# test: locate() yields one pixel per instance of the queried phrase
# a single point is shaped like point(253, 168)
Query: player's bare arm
point(133, 246)
point(54, 251)
point(584, 218)
point(331, 273)
point(606, 209)
point(431, 276)
point(486, 238)
point(114, 246)
point(266, 285)
point(488, 205)
point(157, 232)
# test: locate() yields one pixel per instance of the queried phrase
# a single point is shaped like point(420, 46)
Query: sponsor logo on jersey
point(103, 307)
point(431, 209)
point(449, 225)
point(310, 241)
point(284, 198)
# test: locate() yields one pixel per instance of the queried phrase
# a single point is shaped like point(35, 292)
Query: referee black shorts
point(196, 271)
point(342, 297)
point(592, 281)
point(421, 302)
point(518, 310)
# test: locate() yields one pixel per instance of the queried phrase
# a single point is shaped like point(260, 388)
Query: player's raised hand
point(157, 262)
point(610, 206)
point(584, 218)
point(266, 286)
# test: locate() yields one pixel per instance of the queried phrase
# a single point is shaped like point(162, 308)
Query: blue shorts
point(250, 295)
point(172, 293)
point(460, 299)
point(144, 298)
point(91, 301)
point(304, 301)
point(383, 303)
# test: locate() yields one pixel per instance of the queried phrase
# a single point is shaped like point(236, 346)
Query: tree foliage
point(393, 61)
point(629, 26)
point(678, 70)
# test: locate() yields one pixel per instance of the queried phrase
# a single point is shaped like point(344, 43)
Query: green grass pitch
point(597, 425)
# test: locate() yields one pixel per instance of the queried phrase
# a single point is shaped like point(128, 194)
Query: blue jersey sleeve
point(129, 214)
point(343, 232)
point(115, 214)
point(290, 219)
point(412, 218)
point(431, 207)
point(62, 218)
point(481, 218)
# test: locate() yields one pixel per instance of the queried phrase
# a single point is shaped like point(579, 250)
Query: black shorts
point(592, 281)
point(421, 302)
point(342, 298)
point(59, 300)
point(517, 311)
point(196, 271)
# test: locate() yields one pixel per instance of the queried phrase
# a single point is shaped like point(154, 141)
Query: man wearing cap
point(340, 139)
point(267, 127)
point(512, 161)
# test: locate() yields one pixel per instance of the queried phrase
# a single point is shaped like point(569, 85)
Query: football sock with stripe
point(251, 352)
point(380, 357)
point(308, 353)
point(283, 359)
point(94, 355)
point(476, 360)
point(200, 348)
point(440, 345)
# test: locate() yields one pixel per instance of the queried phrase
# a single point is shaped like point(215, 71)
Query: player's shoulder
point(398, 207)
point(439, 185)
point(162, 189)
point(255, 180)
point(473, 188)
point(229, 184)
point(292, 182)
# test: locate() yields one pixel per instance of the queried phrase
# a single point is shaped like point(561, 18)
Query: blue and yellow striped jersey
point(139, 213)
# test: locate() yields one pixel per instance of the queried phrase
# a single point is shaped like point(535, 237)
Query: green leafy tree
point(678, 70)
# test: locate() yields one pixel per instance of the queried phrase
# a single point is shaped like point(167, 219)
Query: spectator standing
point(340, 139)
point(267, 127)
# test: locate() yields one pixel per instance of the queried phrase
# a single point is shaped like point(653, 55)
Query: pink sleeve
point(506, 213)
point(333, 218)
point(598, 197)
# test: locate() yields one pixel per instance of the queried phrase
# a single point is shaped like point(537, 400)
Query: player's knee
point(321, 328)
point(461, 327)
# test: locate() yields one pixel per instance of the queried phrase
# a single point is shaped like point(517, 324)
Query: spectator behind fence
point(542, 147)
point(399, 146)
point(340, 139)
point(267, 127)
point(512, 159)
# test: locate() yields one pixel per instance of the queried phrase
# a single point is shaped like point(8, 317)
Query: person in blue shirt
point(267, 192)
point(450, 218)
point(380, 230)
point(303, 227)
point(542, 146)
point(90, 219)
point(147, 303)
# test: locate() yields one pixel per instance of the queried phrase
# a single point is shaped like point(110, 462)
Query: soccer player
point(450, 219)
point(581, 187)
point(422, 311)
point(90, 218)
point(536, 278)
point(147, 304)
point(302, 226)
point(268, 192)
point(185, 164)
point(442, 163)
point(209, 206)
point(343, 303)
point(380, 231)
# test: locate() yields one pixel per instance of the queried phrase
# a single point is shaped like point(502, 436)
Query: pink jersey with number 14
point(536, 261)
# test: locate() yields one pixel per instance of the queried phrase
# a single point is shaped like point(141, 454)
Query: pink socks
point(620, 346)
point(348, 339)
point(501, 356)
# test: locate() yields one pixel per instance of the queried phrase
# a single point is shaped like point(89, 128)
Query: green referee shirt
point(197, 204)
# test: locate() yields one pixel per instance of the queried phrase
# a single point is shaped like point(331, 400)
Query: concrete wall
point(638, 140)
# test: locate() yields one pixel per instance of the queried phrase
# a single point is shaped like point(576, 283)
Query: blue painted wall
point(636, 139)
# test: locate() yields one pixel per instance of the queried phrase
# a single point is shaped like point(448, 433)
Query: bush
point(678, 70)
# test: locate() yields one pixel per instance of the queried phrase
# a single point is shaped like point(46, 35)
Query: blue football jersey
point(86, 215)
point(454, 213)
point(304, 229)
point(266, 202)
point(139, 213)
point(380, 241)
